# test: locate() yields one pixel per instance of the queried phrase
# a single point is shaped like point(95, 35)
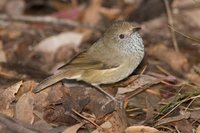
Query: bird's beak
point(136, 29)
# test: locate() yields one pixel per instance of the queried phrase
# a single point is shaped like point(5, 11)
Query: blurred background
point(42, 34)
point(38, 36)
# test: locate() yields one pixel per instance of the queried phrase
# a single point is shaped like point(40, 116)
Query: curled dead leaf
point(141, 129)
point(8, 96)
point(24, 108)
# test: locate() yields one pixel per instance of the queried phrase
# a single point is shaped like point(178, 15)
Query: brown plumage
point(111, 59)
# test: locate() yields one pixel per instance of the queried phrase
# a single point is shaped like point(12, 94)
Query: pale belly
point(107, 76)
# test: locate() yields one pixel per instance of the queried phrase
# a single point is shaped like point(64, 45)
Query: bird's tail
point(49, 81)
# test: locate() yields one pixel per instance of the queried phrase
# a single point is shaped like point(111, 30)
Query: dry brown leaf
point(92, 14)
point(194, 77)
point(73, 129)
point(53, 43)
point(139, 101)
point(50, 95)
point(8, 96)
point(198, 129)
point(42, 125)
point(56, 93)
point(41, 100)
point(141, 129)
point(143, 80)
point(2, 53)
point(110, 13)
point(53, 49)
point(7, 112)
point(117, 123)
point(26, 87)
point(92, 17)
point(184, 126)
point(14, 10)
point(176, 60)
point(24, 108)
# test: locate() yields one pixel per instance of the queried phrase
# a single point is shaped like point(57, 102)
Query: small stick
point(80, 115)
point(173, 119)
point(184, 35)
point(143, 70)
point(170, 21)
point(40, 19)
point(164, 70)
point(46, 19)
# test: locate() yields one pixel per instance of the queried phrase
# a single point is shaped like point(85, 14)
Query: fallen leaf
point(14, 10)
point(42, 125)
point(73, 129)
point(91, 17)
point(194, 77)
point(41, 100)
point(92, 14)
point(7, 112)
point(198, 129)
point(8, 96)
point(25, 87)
point(11, 125)
point(110, 13)
point(2, 53)
point(72, 13)
point(141, 81)
point(184, 126)
point(141, 129)
point(53, 43)
point(24, 108)
point(117, 123)
point(48, 96)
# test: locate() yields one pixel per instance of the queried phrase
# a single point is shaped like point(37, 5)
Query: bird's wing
point(84, 62)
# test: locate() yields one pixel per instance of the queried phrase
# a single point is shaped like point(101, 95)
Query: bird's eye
point(121, 36)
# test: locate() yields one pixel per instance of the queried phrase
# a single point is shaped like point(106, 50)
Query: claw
point(116, 102)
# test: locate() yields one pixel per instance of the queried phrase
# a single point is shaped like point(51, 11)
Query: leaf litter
point(163, 98)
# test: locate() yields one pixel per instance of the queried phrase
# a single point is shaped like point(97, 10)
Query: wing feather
point(85, 62)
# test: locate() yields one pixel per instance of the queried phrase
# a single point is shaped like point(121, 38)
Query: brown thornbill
point(112, 58)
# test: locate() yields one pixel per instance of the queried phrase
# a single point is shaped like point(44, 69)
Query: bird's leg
point(112, 98)
point(104, 92)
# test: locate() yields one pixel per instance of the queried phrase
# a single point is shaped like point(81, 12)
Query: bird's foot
point(117, 103)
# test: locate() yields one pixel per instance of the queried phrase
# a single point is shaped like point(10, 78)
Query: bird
point(112, 58)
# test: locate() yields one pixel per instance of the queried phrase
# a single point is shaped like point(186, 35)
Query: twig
point(77, 113)
point(45, 19)
point(173, 119)
point(170, 22)
point(164, 71)
point(184, 35)
point(143, 70)
point(40, 19)
point(177, 101)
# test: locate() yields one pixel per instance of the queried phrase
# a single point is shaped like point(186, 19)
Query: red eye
point(121, 36)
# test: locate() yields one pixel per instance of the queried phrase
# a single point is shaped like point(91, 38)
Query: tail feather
point(49, 81)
